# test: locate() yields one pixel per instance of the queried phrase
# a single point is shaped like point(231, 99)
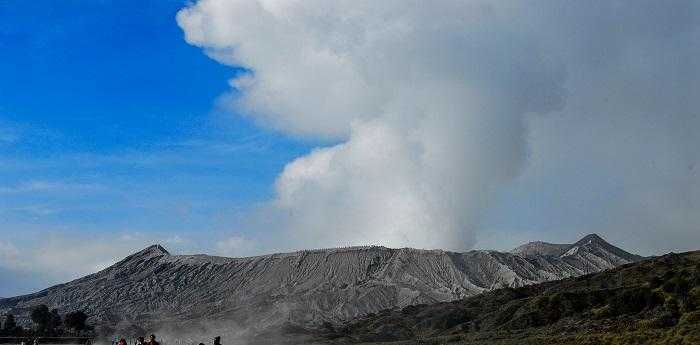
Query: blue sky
point(109, 123)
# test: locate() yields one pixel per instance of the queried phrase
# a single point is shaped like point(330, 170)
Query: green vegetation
point(41, 316)
point(76, 320)
point(47, 322)
point(9, 327)
point(656, 301)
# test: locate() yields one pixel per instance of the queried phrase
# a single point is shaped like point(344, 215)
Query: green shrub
point(656, 298)
point(633, 300)
point(649, 324)
point(507, 312)
point(669, 286)
point(690, 318)
point(541, 302)
point(574, 302)
point(693, 302)
point(553, 310)
point(682, 287)
point(453, 318)
point(655, 282)
point(602, 312)
point(598, 297)
point(530, 319)
point(654, 323)
point(671, 304)
point(677, 285)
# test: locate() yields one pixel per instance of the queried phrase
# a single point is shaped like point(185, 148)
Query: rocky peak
point(153, 250)
point(594, 243)
point(591, 239)
point(591, 243)
point(147, 253)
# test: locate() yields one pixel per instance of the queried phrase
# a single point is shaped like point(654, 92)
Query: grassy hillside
point(656, 301)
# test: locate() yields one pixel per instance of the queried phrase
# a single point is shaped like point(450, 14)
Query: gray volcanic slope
point(305, 288)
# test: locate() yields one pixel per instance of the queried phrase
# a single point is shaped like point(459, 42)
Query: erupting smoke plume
point(435, 105)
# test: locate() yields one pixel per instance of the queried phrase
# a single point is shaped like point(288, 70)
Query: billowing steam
point(431, 101)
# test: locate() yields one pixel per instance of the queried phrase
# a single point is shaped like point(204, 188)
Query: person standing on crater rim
point(152, 340)
point(217, 341)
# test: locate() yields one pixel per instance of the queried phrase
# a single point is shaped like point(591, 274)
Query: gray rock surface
point(541, 248)
point(306, 288)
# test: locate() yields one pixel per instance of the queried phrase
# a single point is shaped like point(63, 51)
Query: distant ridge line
point(308, 287)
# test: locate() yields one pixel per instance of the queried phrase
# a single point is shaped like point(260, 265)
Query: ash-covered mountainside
point(153, 287)
point(654, 301)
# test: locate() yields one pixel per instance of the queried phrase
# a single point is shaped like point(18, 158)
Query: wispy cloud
point(237, 246)
point(45, 186)
point(33, 210)
point(56, 256)
point(9, 133)
point(255, 143)
point(9, 254)
point(7, 137)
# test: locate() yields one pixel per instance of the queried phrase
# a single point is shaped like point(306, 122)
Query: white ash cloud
point(436, 105)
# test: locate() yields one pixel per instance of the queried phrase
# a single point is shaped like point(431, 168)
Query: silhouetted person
point(217, 341)
point(152, 340)
point(140, 341)
point(122, 341)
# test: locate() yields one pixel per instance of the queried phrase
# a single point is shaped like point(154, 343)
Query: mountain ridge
point(541, 248)
point(308, 287)
point(653, 301)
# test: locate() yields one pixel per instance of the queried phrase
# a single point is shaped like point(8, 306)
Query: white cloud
point(175, 240)
point(56, 257)
point(236, 246)
point(436, 104)
point(430, 112)
point(9, 254)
